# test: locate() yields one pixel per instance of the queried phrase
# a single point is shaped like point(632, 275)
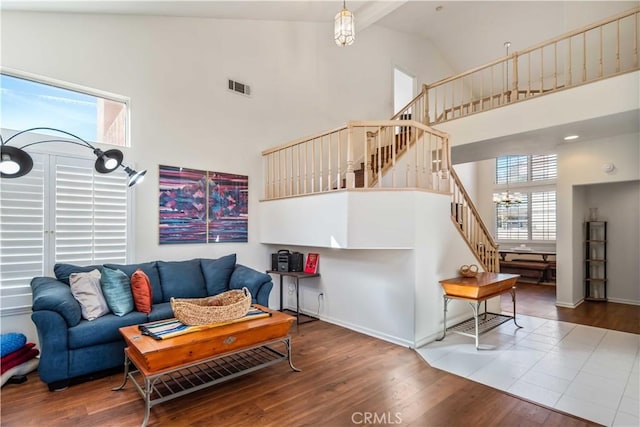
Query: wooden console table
point(297, 275)
point(475, 290)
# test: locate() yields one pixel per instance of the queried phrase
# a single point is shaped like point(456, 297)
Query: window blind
point(544, 167)
point(90, 214)
point(513, 222)
point(535, 217)
point(22, 236)
point(63, 211)
point(543, 215)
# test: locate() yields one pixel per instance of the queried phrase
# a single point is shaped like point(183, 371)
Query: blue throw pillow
point(116, 288)
point(11, 342)
point(149, 268)
point(182, 279)
point(217, 273)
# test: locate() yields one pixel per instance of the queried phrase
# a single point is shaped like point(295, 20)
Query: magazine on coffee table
point(170, 328)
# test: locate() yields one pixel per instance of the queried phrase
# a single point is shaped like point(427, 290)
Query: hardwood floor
point(346, 376)
point(539, 301)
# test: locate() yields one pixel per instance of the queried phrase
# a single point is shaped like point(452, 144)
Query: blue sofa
point(71, 346)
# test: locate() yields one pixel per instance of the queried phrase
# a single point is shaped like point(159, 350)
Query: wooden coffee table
point(166, 369)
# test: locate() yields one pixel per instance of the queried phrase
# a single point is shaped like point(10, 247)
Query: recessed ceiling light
point(571, 137)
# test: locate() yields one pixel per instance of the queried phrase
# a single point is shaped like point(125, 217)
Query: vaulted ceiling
point(467, 33)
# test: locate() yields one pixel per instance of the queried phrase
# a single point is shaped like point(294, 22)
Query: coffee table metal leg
point(287, 343)
point(126, 374)
point(147, 400)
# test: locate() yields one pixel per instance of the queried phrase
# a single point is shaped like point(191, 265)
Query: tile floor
point(589, 372)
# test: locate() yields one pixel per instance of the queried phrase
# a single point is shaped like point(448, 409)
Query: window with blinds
point(533, 179)
point(79, 217)
point(22, 236)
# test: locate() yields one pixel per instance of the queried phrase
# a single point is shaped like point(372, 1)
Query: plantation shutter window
point(90, 214)
point(533, 179)
point(63, 211)
point(22, 236)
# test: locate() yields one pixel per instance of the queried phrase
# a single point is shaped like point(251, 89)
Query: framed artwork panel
point(182, 204)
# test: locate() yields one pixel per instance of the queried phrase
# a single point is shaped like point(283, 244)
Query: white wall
point(619, 204)
point(389, 293)
point(579, 167)
point(175, 71)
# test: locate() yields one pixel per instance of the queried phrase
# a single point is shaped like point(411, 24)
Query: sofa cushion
point(116, 288)
point(217, 273)
point(63, 271)
point(150, 269)
point(181, 279)
point(160, 312)
point(247, 277)
point(102, 330)
point(85, 288)
point(141, 290)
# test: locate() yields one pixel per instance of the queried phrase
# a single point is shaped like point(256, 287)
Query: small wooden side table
point(475, 290)
point(297, 275)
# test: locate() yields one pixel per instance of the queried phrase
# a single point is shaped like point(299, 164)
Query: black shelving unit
point(595, 261)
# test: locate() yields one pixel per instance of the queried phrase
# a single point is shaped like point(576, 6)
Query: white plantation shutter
point(22, 236)
point(543, 215)
point(533, 177)
point(63, 211)
point(90, 214)
point(544, 167)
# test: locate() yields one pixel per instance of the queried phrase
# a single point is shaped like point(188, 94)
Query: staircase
point(405, 152)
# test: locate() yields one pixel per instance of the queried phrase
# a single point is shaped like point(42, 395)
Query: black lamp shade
point(106, 155)
point(21, 157)
point(134, 176)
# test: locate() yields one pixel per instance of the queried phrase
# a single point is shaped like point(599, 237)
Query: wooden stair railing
point(597, 51)
point(382, 157)
point(468, 222)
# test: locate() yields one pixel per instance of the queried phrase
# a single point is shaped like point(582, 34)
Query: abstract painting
point(199, 207)
point(183, 207)
point(228, 207)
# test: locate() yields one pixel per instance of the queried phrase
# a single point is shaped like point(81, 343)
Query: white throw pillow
point(85, 288)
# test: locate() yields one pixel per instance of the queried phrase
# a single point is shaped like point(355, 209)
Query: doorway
point(404, 88)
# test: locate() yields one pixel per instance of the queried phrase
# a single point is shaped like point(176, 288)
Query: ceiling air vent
point(239, 87)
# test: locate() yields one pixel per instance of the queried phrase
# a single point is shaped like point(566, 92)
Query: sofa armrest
point(259, 284)
point(53, 295)
point(54, 346)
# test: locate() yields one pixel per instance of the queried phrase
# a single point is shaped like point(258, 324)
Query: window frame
point(49, 81)
point(526, 188)
point(50, 161)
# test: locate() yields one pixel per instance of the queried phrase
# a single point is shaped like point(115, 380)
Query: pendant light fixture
point(344, 28)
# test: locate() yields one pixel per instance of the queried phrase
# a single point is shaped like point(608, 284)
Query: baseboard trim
point(623, 301)
point(568, 305)
point(363, 330)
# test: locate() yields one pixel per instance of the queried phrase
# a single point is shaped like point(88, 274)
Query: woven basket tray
point(223, 307)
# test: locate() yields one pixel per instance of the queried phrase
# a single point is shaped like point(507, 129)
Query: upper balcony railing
point(600, 50)
point(366, 154)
